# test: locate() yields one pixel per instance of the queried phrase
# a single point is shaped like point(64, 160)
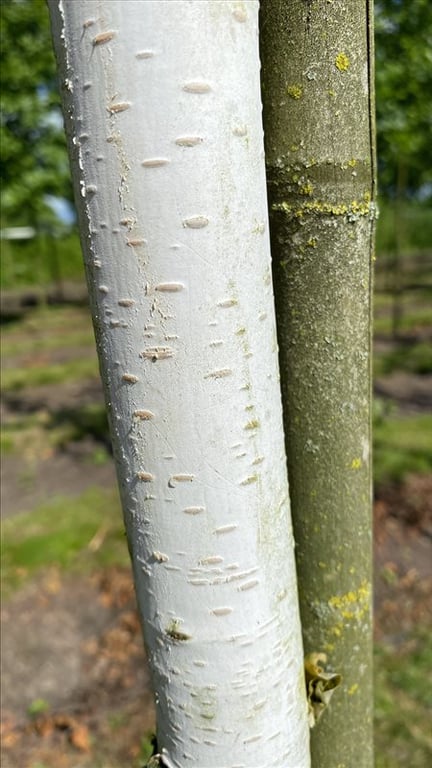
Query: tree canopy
point(403, 87)
point(33, 149)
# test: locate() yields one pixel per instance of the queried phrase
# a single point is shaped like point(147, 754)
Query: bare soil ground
point(42, 472)
point(412, 393)
point(75, 642)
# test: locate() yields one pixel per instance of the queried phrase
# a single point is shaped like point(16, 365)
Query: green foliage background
point(33, 148)
point(403, 42)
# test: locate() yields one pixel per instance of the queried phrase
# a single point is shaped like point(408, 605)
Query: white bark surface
point(163, 112)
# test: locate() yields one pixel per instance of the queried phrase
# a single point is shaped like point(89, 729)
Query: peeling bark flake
point(169, 287)
point(239, 13)
point(155, 162)
point(144, 55)
point(226, 528)
point(135, 242)
point(188, 141)
point(121, 106)
point(222, 611)
point(145, 477)
point(130, 378)
point(225, 303)
point(219, 374)
point(102, 37)
point(248, 585)
point(157, 353)
point(196, 222)
point(181, 478)
point(249, 480)
point(211, 560)
point(196, 87)
point(161, 557)
point(144, 415)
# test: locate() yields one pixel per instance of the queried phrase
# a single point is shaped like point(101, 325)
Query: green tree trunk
point(319, 138)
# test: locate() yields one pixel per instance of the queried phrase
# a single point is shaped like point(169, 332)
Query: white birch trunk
point(163, 112)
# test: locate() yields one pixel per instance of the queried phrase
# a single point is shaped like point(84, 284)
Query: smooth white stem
point(163, 111)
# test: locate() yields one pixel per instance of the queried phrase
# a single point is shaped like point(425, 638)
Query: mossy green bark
point(319, 138)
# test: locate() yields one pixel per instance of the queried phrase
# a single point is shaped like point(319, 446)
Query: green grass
point(41, 261)
point(66, 318)
point(47, 344)
point(7, 442)
point(415, 358)
point(411, 320)
point(87, 420)
point(146, 751)
point(41, 333)
point(63, 533)
point(41, 375)
point(416, 224)
point(411, 300)
point(402, 446)
point(46, 330)
point(102, 755)
point(32, 433)
point(403, 704)
point(42, 430)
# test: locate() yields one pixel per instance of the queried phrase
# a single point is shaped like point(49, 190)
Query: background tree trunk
point(162, 108)
point(319, 139)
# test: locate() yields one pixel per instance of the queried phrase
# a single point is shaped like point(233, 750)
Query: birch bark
point(163, 114)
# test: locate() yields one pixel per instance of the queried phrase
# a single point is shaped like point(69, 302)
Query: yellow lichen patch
point(342, 62)
point(348, 164)
point(312, 242)
point(356, 463)
point(323, 208)
point(353, 604)
point(353, 689)
point(295, 91)
point(306, 189)
point(362, 208)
